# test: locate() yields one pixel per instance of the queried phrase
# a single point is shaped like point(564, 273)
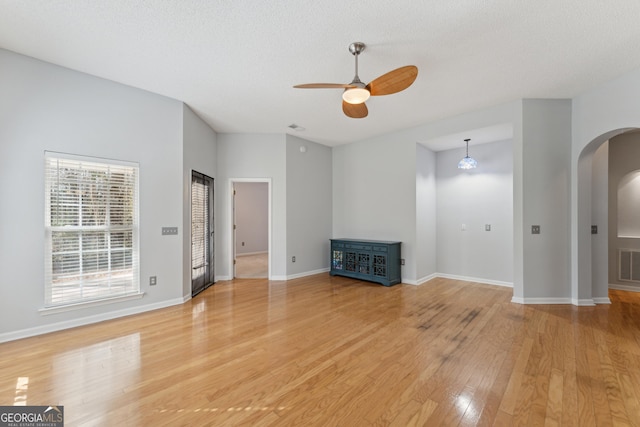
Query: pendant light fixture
point(467, 162)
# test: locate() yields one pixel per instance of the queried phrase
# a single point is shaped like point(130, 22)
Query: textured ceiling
point(235, 62)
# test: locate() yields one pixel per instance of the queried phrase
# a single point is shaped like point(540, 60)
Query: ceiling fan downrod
point(356, 49)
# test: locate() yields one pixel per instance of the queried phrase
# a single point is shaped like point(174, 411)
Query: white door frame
point(232, 240)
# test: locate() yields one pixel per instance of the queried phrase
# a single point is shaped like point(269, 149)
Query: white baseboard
point(583, 302)
point(519, 300)
point(602, 300)
point(420, 281)
point(474, 279)
point(624, 287)
point(307, 273)
point(88, 320)
point(299, 275)
point(251, 253)
point(279, 277)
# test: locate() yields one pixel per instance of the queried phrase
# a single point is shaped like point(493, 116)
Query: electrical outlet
point(594, 229)
point(242, 243)
point(293, 259)
point(535, 229)
point(487, 227)
point(153, 280)
point(401, 261)
point(464, 227)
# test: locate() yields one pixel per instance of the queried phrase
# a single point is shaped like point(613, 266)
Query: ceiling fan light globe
point(356, 95)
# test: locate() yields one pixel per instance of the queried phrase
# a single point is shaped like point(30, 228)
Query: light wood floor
point(323, 351)
point(255, 266)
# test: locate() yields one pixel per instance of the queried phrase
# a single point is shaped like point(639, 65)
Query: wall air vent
point(629, 265)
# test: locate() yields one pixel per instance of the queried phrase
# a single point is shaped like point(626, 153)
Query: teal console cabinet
point(373, 260)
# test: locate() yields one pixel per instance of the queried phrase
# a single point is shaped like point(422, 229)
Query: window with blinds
point(91, 228)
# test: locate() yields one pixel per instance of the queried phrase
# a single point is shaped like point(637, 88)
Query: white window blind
point(91, 227)
point(199, 228)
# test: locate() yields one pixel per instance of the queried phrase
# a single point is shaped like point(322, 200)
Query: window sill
point(45, 311)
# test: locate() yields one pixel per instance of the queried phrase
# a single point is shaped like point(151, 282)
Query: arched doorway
point(585, 290)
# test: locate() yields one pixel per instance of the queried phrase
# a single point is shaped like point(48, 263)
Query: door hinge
point(234, 262)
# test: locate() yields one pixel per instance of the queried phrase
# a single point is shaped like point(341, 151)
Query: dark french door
point(202, 237)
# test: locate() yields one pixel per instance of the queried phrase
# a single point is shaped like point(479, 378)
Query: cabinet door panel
point(337, 259)
point(364, 263)
point(380, 265)
point(350, 261)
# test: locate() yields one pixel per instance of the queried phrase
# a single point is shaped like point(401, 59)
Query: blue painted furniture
point(373, 260)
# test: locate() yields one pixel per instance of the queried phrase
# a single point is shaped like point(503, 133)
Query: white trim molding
point(306, 273)
point(88, 320)
point(475, 280)
point(586, 302)
point(252, 253)
point(45, 311)
point(532, 301)
point(624, 287)
point(602, 300)
point(420, 281)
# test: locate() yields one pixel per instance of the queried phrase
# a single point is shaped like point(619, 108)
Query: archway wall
point(597, 115)
point(624, 203)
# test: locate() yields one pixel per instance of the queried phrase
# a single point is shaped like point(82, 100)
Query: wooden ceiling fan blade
point(394, 81)
point(323, 86)
point(355, 111)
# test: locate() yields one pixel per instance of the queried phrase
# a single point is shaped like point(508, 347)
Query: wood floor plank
point(323, 351)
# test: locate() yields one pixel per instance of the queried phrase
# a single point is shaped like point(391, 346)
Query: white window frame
point(101, 285)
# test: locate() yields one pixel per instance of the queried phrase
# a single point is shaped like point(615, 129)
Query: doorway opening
point(251, 228)
point(202, 233)
point(595, 254)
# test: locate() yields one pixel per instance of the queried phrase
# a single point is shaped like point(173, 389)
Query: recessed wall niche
point(629, 205)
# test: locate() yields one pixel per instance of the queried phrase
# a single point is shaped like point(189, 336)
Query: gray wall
point(546, 144)
point(309, 206)
point(476, 197)
point(199, 154)
point(624, 157)
point(251, 156)
point(378, 186)
point(252, 217)
point(46, 107)
point(599, 217)
point(425, 213)
point(300, 199)
point(598, 114)
point(374, 194)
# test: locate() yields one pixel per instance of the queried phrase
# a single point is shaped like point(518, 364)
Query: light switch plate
point(169, 231)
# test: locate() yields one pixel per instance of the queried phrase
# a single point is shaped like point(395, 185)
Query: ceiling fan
point(356, 92)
